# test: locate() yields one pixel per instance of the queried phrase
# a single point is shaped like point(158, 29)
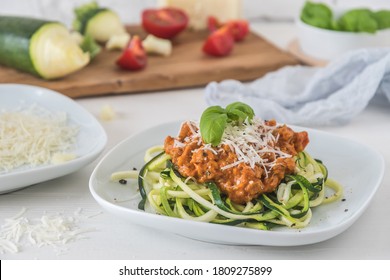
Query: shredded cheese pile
point(50, 230)
point(249, 141)
point(33, 136)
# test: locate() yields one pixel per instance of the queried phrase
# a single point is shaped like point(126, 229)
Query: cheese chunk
point(199, 10)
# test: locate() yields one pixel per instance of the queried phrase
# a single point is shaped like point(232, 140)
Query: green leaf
point(382, 18)
point(212, 124)
point(215, 118)
point(358, 20)
point(239, 111)
point(317, 14)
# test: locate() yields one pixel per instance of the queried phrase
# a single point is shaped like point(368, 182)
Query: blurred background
point(129, 10)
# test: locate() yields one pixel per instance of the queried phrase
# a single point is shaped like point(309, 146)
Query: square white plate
point(357, 167)
point(91, 138)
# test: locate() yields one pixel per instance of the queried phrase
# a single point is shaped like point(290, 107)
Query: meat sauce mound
point(241, 183)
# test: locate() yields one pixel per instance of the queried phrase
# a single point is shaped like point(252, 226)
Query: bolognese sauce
point(252, 159)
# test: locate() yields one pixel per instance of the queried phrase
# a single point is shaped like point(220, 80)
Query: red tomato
point(134, 56)
point(238, 28)
point(213, 23)
point(165, 23)
point(219, 43)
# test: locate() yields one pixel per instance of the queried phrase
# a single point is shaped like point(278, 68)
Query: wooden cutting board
point(186, 67)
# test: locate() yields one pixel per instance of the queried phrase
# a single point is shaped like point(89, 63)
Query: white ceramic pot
point(327, 44)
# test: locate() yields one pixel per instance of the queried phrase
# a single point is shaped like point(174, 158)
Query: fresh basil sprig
point(215, 118)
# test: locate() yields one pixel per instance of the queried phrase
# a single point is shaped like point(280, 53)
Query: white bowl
point(327, 44)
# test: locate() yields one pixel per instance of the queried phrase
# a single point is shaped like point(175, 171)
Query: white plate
point(91, 138)
point(357, 167)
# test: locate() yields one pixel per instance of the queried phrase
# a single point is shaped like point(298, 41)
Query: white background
point(368, 238)
point(129, 10)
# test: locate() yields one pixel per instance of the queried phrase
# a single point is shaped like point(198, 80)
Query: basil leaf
point(239, 111)
point(358, 20)
point(212, 124)
point(317, 14)
point(383, 19)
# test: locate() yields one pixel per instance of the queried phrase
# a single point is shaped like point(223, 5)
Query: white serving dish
point(357, 167)
point(91, 138)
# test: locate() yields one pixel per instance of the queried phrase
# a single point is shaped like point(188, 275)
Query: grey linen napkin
point(305, 95)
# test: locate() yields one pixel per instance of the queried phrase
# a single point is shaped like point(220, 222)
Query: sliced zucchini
point(43, 48)
point(100, 23)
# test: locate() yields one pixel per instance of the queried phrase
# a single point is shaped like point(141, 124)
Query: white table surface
point(112, 238)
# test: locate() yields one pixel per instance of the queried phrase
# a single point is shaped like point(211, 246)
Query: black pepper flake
point(345, 210)
point(123, 181)
point(135, 168)
point(343, 199)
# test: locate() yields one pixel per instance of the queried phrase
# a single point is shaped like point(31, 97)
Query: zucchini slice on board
point(100, 23)
point(40, 47)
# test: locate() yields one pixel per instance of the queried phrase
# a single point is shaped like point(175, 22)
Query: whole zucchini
point(40, 47)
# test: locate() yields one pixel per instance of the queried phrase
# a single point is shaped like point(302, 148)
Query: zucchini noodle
point(290, 205)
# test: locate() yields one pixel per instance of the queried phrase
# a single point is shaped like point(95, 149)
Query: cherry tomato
point(213, 23)
point(134, 56)
point(165, 23)
point(238, 28)
point(219, 43)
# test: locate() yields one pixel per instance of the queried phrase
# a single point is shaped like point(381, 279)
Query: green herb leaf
point(358, 20)
point(239, 111)
point(317, 14)
point(382, 18)
point(214, 120)
point(212, 124)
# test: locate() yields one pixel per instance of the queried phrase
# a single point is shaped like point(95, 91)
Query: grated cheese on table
point(33, 136)
point(54, 230)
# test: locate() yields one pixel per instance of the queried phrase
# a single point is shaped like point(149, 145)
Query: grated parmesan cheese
point(32, 136)
point(249, 141)
point(50, 230)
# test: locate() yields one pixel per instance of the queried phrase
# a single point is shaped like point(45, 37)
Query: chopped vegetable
point(213, 23)
point(239, 28)
point(155, 45)
point(40, 47)
point(118, 41)
point(219, 43)
point(134, 56)
point(100, 23)
point(164, 23)
point(89, 45)
point(77, 37)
